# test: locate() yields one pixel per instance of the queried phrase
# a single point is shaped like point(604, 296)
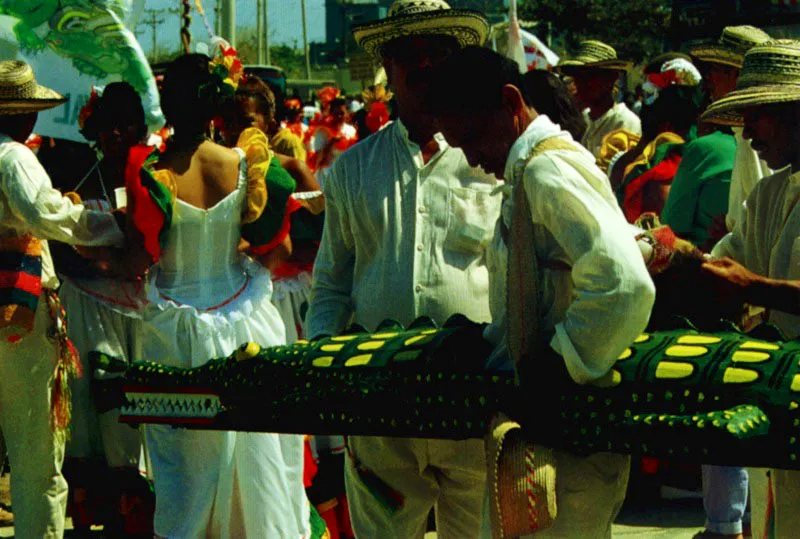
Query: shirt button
point(418, 288)
point(419, 248)
point(422, 209)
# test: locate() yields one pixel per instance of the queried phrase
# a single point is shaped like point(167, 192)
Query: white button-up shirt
point(766, 237)
point(596, 293)
point(617, 117)
point(402, 238)
point(30, 205)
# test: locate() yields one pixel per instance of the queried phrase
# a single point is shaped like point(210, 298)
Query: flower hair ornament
point(226, 71)
point(376, 99)
point(88, 109)
point(676, 72)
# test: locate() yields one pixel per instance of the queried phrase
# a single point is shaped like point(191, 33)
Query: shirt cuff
point(562, 344)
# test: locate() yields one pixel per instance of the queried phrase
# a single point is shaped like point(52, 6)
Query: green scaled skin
point(719, 397)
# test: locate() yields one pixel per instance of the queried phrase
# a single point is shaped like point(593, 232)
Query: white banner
point(537, 55)
point(72, 46)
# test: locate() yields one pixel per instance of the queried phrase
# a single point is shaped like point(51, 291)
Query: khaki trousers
point(786, 495)
point(38, 490)
point(449, 476)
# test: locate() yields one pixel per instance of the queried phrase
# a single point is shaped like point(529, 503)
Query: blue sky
point(285, 23)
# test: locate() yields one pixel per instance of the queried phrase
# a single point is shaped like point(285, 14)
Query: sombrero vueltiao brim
point(467, 26)
point(571, 65)
point(728, 110)
point(42, 98)
point(717, 54)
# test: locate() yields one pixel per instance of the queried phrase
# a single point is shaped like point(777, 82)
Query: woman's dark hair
point(549, 96)
point(120, 105)
point(259, 90)
point(190, 97)
point(337, 102)
point(677, 108)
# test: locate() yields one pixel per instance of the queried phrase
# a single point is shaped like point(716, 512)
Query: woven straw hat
point(19, 92)
point(596, 55)
point(422, 17)
point(731, 47)
point(770, 74)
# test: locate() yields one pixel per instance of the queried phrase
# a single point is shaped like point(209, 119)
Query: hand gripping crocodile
point(719, 397)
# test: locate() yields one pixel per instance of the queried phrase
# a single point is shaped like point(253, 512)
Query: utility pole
point(259, 31)
point(228, 21)
point(153, 19)
point(305, 40)
point(266, 32)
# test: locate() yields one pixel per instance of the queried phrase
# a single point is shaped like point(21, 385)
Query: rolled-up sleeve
point(612, 290)
point(330, 304)
point(45, 211)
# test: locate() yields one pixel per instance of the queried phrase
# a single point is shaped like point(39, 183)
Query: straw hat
point(422, 17)
point(731, 47)
point(596, 55)
point(19, 92)
point(770, 74)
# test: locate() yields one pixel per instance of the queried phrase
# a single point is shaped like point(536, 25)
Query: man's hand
point(732, 282)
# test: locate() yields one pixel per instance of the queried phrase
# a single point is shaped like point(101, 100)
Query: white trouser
point(447, 475)
point(38, 490)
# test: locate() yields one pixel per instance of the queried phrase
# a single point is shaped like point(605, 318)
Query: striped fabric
point(20, 281)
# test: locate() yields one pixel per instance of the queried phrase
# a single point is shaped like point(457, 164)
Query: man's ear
point(512, 99)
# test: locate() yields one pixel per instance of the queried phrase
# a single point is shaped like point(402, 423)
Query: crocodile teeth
point(180, 405)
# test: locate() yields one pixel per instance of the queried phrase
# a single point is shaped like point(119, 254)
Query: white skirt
point(218, 483)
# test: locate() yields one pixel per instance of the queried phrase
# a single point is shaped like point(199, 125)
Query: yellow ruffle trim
point(619, 140)
point(667, 137)
point(258, 156)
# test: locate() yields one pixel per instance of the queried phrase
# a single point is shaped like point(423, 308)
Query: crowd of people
point(517, 200)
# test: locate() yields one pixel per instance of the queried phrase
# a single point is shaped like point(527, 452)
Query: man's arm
point(49, 214)
point(613, 293)
point(330, 304)
point(733, 282)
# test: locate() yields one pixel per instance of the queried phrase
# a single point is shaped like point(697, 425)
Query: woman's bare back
point(204, 174)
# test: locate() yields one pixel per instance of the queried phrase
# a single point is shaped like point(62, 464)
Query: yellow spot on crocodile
point(301, 341)
point(355, 361)
point(674, 370)
point(734, 375)
point(371, 345)
point(698, 339)
point(385, 335)
point(758, 345)
point(793, 406)
point(331, 347)
point(429, 331)
point(324, 361)
point(795, 383)
point(625, 355)
point(407, 355)
point(414, 339)
point(644, 337)
point(746, 356)
point(342, 338)
point(681, 350)
point(611, 379)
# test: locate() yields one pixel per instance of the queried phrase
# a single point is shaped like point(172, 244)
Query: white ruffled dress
point(205, 299)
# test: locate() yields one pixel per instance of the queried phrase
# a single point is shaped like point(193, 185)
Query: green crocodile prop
point(718, 397)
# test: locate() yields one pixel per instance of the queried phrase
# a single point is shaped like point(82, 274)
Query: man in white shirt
point(596, 70)
point(761, 263)
point(563, 241)
point(407, 225)
point(31, 210)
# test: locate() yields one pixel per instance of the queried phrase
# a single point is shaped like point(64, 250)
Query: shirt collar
point(413, 147)
point(538, 130)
